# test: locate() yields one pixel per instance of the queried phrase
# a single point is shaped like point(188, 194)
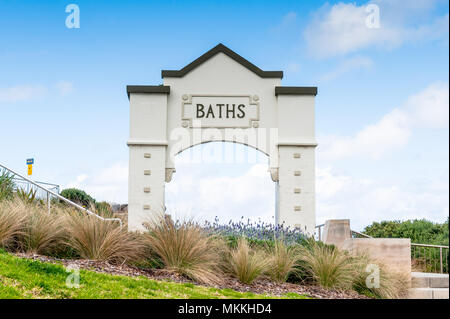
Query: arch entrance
point(221, 180)
point(222, 97)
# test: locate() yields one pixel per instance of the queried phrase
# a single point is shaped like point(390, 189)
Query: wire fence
point(429, 258)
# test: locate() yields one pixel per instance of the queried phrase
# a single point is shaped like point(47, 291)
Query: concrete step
point(428, 293)
point(429, 280)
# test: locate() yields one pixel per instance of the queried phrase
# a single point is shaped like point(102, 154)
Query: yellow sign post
point(30, 162)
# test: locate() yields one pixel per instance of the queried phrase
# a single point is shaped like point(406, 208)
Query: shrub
point(27, 197)
point(103, 209)
point(282, 261)
point(6, 185)
point(78, 196)
point(392, 284)
point(186, 249)
point(43, 232)
point(12, 220)
point(420, 231)
point(259, 233)
point(245, 263)
point(96, 239)
point(326, 265)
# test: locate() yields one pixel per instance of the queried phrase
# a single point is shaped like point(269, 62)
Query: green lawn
point(23, 278)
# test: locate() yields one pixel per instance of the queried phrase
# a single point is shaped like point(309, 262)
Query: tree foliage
point(419, 230)
point(78, 196)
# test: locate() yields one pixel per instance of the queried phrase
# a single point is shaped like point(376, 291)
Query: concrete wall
point(393, 252)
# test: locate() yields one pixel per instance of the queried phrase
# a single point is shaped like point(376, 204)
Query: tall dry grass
point(12, 222)
point(327, 266)
point(245, 263)
point(186, 249)
point(96, 239)
point(43, 231)
point(282, 260)
point(392, 284)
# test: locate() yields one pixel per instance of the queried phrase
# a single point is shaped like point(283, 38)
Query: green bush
point(104, 209)
point(232, 241)
point(78, 196)
point(27, 197)
point(420, 231)
point(6, 185)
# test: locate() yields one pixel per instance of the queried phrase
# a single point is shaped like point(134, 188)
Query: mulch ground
point(262, 286)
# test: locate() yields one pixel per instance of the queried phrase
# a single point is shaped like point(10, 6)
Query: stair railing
point(51, 193)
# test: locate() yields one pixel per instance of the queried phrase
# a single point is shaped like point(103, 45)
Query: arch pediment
point(220, 48)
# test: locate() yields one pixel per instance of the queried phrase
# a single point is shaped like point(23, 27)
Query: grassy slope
point(23, 278)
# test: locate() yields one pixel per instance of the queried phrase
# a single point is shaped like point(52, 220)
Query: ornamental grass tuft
point(96, 239)
point(184, 247)
point(282, 261)
point(326, 266)
point(12, 222)
point(245, 263)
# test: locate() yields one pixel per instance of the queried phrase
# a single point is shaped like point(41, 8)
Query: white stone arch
point(216, 98)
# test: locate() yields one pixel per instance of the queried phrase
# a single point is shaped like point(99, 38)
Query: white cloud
point(22, 93)
point(351, 64)
point(64, 87)
point(341, 28)
point(110, 184)
point(202, 196)
point(364, 201)
point(429, 108)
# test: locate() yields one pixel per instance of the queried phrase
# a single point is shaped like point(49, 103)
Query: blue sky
point(382, 107)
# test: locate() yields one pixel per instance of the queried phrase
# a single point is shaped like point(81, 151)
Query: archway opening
point(224, 181)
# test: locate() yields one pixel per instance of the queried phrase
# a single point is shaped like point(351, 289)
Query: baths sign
point(220, 111)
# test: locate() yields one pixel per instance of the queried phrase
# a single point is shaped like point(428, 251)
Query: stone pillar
point(336, 231)
point(148, 148)
point(296, 188)
point(296, 160)
point(146, 184)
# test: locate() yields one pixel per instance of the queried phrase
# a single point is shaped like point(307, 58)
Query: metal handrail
point(62, 198)
point(427, 245)
point(360, 234)
point(42, 183)
point(320, 231)
point(430, 254)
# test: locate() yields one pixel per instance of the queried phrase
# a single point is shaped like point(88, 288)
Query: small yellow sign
point(30, 169)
